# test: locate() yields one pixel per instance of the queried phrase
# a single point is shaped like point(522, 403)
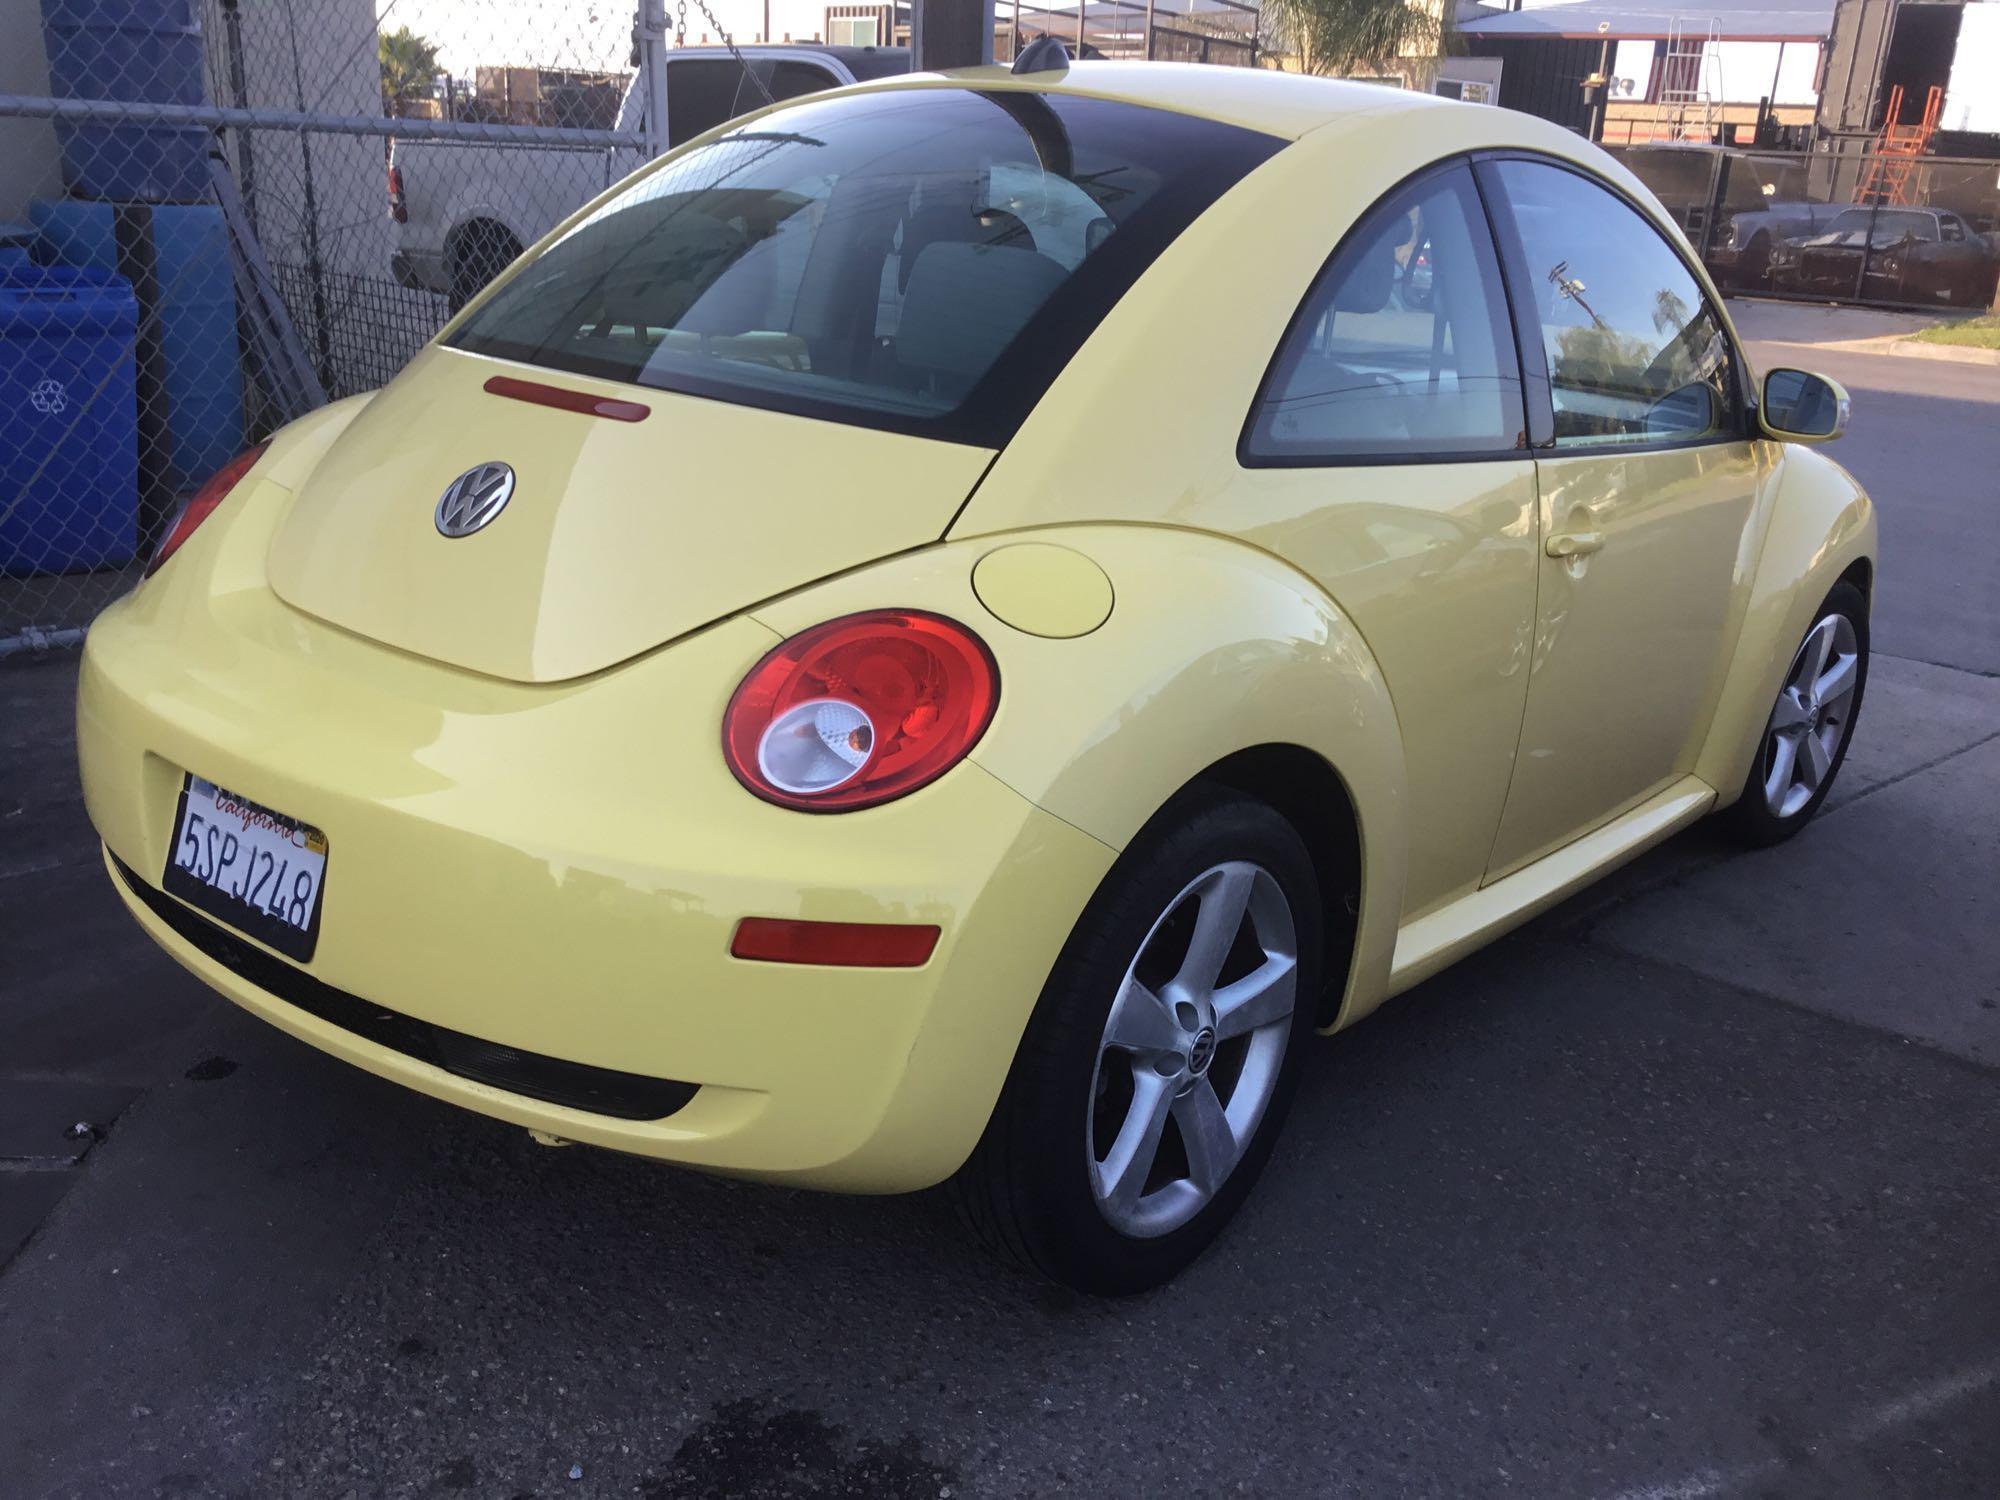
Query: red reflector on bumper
point(853, 945)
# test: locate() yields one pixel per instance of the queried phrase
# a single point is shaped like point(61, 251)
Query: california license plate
point(258, 870)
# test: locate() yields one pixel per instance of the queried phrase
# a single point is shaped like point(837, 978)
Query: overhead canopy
point(1742, 21)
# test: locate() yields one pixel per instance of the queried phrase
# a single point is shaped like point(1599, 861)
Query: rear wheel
point(1162, 1055)
point(1806, 737)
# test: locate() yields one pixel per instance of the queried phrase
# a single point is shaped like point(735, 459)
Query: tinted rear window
point(924, 260)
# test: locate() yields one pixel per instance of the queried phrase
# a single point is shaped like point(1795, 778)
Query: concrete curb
point(1905, 348)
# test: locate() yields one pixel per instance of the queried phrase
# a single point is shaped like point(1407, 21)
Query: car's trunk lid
point(619, 535)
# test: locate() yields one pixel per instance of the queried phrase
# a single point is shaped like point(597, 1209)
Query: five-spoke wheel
point(1156, 1069)
point(1812, 715)
point(1192, 1048)
point(1806, 737)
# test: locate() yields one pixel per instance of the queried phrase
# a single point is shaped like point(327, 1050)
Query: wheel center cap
point(1201, 1051)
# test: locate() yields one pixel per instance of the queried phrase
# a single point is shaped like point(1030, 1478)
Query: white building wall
point(317, 56)
point(30, 166)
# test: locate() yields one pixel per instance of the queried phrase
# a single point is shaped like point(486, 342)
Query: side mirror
point(1801, 407)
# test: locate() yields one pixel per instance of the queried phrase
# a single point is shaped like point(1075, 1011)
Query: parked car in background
point(465, 209)
point(1740, 255)
point(1926, 255)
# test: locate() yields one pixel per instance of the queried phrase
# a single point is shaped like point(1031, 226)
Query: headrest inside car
point(1367, 275)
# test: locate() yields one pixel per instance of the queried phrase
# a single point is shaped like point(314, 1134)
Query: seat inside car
point(966, 303)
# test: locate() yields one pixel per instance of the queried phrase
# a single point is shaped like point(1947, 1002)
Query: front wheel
point(1806, 737)
point(1161, 1057)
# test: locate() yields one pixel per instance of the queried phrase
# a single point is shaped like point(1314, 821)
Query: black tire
point(1752, 816)
point(481, 251)
point(1753, 271)
point(1027, 1190)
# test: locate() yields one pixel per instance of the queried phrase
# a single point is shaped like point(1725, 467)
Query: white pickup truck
point(465, 209)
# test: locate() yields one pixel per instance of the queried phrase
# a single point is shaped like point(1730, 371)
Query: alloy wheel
point(1812, 716)
point(1192, 1050)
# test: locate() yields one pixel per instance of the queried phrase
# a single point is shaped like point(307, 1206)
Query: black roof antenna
point(1043, 55)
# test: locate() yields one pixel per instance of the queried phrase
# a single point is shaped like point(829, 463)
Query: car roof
point(1281, 104)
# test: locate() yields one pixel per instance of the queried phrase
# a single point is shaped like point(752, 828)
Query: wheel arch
point(1821, 531)
point(1310, 794)
point(477, 222)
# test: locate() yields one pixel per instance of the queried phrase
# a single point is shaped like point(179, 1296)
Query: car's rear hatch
point(620, 535)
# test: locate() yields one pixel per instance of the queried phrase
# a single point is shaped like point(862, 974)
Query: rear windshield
point(923, 260)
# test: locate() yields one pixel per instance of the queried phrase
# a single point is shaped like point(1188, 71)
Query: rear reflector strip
point(846, 945)
point(578, 401)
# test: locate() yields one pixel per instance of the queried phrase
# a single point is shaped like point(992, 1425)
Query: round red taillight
point(860, 710)
point(203, 503)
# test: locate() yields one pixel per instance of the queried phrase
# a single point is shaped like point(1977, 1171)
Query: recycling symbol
point(49, 397)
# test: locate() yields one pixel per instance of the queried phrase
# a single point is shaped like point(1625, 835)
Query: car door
point(1956, 278)
point(1647, 477)
point(1386, 456)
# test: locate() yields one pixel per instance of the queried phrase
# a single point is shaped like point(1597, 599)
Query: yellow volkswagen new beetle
point(939, 631)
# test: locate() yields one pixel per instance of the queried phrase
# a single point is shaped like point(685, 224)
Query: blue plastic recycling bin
point(200, 369)
point(149, 51)
point(69, 444)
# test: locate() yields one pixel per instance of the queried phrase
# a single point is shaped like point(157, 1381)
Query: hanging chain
point(680, 40)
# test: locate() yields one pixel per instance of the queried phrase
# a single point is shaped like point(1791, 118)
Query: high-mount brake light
point(203, 504)
point(860, 710)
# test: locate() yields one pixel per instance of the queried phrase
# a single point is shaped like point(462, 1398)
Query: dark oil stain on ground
point(749, 1452)
point(211, 1068)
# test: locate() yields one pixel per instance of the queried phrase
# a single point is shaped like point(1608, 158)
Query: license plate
point(244, 864)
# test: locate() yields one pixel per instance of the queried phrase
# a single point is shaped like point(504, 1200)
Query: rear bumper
point(556, 873)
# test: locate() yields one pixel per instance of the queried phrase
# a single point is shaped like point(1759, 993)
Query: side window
point(1953, 228)
point(1402, 349)
point(701, 94)
point(790, 78)
point(1635, 352)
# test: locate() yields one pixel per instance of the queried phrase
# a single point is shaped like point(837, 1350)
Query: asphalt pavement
point(1685, 1191)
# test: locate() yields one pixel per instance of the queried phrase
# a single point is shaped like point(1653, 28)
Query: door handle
point(1575, 544)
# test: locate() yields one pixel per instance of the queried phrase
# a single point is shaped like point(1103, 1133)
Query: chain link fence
point(225, 212)
point(1866, 227)
point(231, 211)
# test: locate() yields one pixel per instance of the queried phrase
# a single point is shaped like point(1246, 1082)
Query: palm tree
point(409, 64)
point(1355, 36)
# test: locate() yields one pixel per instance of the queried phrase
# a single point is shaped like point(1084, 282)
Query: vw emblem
point(471, 501)
point(1202, 1051)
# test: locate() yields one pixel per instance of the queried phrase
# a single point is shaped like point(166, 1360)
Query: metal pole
point(1149, 31)
point(1718, 194)
point(952, 33)
point(653, 71)
point(315, 267)
point(1601, 95)
point(239, 95)
point(215, 117)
